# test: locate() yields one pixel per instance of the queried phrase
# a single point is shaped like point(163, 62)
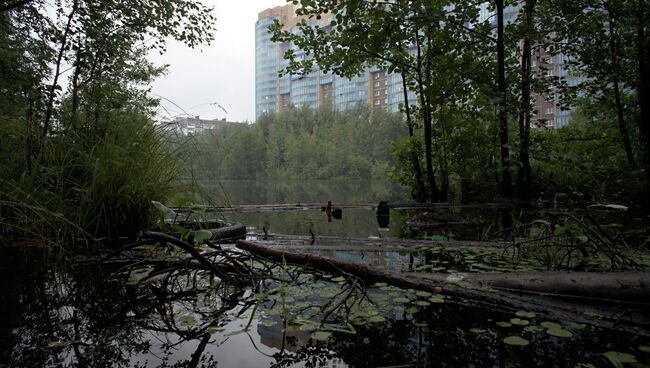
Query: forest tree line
point(477, 73)
point(582, 159)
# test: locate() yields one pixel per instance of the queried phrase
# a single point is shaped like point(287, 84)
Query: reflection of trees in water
point(66, 321)
point(305, 191)
point(81, 317)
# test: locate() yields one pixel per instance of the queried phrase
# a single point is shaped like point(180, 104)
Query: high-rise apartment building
point(273, 93)
point(375, 87)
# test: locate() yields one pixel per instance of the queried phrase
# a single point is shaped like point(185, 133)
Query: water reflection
point(59, 315)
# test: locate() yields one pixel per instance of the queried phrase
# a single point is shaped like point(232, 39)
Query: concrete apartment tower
point(374, 87)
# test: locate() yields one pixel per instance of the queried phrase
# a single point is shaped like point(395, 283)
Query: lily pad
point(515, 340)
point(187, 320)
point(437, 299)
point(576, 326)
point(618, 359)
point(534, 329)
point(559, 332)
point(519, 322)
point(504, 324)
point(645, 349)
point(524, 314)
point(321, 335)
point(549, 325)
point(402, 300)
point(477, 331)
point(376, 319)
point(422, 303)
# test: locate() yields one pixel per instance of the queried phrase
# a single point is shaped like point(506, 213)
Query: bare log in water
point(513, 291)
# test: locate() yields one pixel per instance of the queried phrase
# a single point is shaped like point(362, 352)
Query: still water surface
point(58, 313)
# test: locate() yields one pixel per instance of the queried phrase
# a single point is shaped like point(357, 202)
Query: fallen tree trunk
point(509, 290)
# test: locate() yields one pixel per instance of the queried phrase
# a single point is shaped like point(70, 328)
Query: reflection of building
point(374, 87)
point(194, 125)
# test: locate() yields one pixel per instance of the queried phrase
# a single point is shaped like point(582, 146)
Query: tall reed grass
point(90, 184)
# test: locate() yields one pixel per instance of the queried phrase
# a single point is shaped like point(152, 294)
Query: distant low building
point(194, 124)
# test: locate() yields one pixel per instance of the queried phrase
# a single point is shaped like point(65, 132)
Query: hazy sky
point(222, 73)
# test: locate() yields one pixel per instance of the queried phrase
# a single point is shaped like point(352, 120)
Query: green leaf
point(477, 331)
point(644, 348)
point(560, 230)
point(504, 324)
point(201, 235)
point(559, 332)
point(516, 341)
point(549, 325)
point(519, 322)
point(618, 359)
point(321, 335)
point(524, 314)
point(163, 209)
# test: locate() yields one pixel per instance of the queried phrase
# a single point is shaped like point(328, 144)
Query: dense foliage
point(301, 143)
point(81, 154)
point(474, 75)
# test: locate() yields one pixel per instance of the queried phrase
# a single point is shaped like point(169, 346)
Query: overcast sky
point(222, 73)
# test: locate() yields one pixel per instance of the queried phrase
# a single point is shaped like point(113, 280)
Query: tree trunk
point(498, 290)
point(426, 112)
point(506, 178)
point(57, 73)
point(524, 174)
point(643, 94)
point(616, 69)
point(415, 160)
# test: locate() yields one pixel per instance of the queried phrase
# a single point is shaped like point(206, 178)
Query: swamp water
point(59, 311)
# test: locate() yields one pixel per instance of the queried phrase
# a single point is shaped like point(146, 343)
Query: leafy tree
point(607, 43)
point(428, 43)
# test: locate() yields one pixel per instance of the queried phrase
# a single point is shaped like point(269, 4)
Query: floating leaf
point(504, 324)
point(338, 279)
point(412, 310)
point(422, 293)
point(401, 300)
point(618, 359)
point(549, 325)
point(321, 335)
point(645, 349)
point(215, 329)
point(477, 331)
point(576, 326)
point(515, 340)
point(519, 322)
point(524, 314)
point(437, 299)
point(376, 319)
point(534, 329)
point(422, 303)
point(559, 332)
point(187, 320)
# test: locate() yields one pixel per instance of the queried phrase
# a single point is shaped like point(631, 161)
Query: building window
point(550, 110)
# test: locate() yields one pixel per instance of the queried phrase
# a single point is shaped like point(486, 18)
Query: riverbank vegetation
point(474, 80)
point(584, 159)
point(81, 155)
